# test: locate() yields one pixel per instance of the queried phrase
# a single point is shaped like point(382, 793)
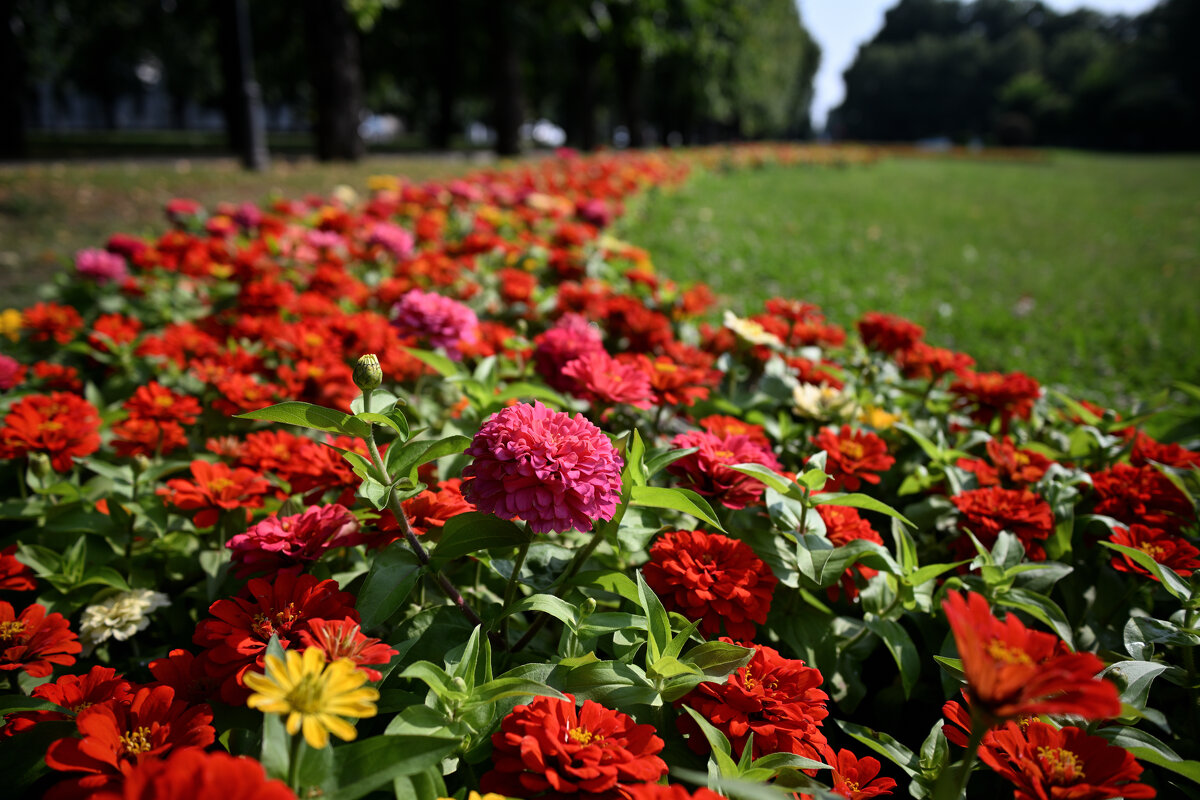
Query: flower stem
point(952, 785)
point(511, 590)
point(294, 762)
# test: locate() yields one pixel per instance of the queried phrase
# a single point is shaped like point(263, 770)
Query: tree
point(335, 73)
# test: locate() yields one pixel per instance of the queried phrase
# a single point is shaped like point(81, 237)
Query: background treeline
point(678, 71)
point(1010, 72)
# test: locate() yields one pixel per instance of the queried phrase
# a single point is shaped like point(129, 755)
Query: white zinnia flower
point(121, 617)
point(823, 402)
point(751, 331)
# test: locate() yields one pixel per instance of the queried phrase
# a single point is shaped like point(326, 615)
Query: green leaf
point(1042, 608)
point(1134, 678)
point(475, 531)
point(657, 462)
point(523, 390)
point(883, 744)
point(777, 761)
point(953, 666)
point(436, 361)
point(13, 703)
point(900, 645)
point(1168, 577)
point(722, 751)
point(718, 659)
point(501, 688)
point(396, 421)
point(436, 678)
point(669, 667)
point(611, 684)
point(612, 581)
point(935, 750)
point(392, 577)
point(856, 500)
point(364, 766)
point(307, 415)
point(404, 459)
point(547, 604)
point(374, 493)
point(1147, 748)
point(658, 624)
point(813, 479)
point(765, 475)
point(684, 500)
point(634, 473)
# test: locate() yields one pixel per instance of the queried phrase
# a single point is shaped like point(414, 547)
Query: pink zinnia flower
point(437, 319)
point(392, 238)
point(555, 471)
point(572, 337)
point(601, 379)
point(101, 266)
point(323, 240)
point(11, 372)
point(275, 543)
point(707, 471)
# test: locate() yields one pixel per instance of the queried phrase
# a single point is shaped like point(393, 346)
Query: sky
point(842, 25)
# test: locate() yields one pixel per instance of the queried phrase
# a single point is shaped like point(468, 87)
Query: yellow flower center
point(308, 695)
point(752, 681)
point(1155, 551)
point(12, 631)
point(1002, 651)
point(723, 453)
point(662, 366)
point(50, 426)
point(136, 741)
point(221, 484)
point(585, 737)
point(851, 449)
point(1062, 766)
point(851, 785)
point(164, 401)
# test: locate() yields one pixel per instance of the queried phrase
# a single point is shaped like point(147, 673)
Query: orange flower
point(1012, 670)
point(63, 426)
point(216, 488)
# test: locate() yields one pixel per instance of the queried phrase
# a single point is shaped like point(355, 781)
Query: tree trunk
point(12, 88)
point(245, 120)
point(449, 58)
point(336, 77)
point(629, 92)
point(507, 101)
point(581, 117)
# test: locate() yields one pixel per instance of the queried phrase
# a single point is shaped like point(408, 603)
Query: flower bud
point(141, 463)
point(367, 373)
point(39, 464)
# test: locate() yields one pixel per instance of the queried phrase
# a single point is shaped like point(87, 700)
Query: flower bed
point(448, 491)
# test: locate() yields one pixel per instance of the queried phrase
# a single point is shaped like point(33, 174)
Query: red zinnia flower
point(117, 736)
point(1166, 548)
point(670, 791)
point(15, 576)
point(51, 322)
point(34, 641)
point(722, 425)
point(74, 693)
point(1008, 465)
point(571, 337)
point(192, 774)
point(1141, 495)
point(993, 394)
point(550, 748)
point(431, 508)
point(707, 470)
point(712, 578)
point(925, 362)
point(601, 379)
point(235, 637)
point(217, 488)
point(773, 697)
point(148, 437)
point(888, 333)
point(58, 377)
point(855, 778)
point(852, 457)
point(675, 383)
point(555, 471)
point(986, 512)
point(186, 674)
point(155, 401)
point(1012, 670)
point(1146, 450)
point(1045, 762)
point(61, 425)
point(275, 543)
point(343, 639)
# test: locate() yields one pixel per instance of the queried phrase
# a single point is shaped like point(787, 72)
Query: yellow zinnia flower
point(474, 795)
point(10, 323)
point(315, 697)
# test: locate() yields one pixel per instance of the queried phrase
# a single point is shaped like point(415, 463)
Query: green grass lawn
point(48, 210)
point(1082, 270)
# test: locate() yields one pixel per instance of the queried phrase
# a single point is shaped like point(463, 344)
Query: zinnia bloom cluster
point(1141, 496)
point(192, 774)
point(707, 471)
point(775, 698)
point(63, 426)
point(712, 578)
point(1168, 549)
point(15, 576)
point(888, 333)
point(852, 457)
point(555, 471)
point(570, 338)
point(1007, 465)
point(156, 421)
point(101, 266)
point(34, 641)
point(1044, 762)
point(73, 693)
point(602, 380)
point(297, 539)
point(986, 512)
point(216, 488)
point(550, 748)
point(995, 395)
point(120, 617)
point(436, 319)
point(1013, 671)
